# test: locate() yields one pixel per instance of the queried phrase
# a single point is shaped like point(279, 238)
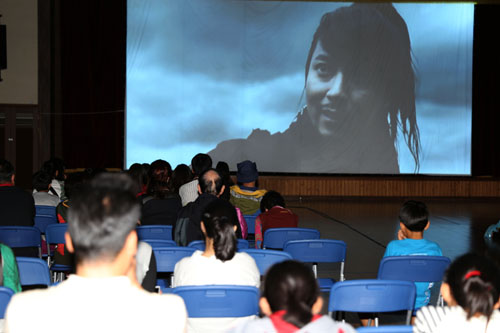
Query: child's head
point(472, 282)
point(291, 286)
point(271, 199)
point(41, 181)
point(414, 215)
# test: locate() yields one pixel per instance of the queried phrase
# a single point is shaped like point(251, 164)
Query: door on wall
point(17, 142)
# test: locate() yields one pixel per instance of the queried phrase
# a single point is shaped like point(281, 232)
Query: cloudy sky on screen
point(200, 72)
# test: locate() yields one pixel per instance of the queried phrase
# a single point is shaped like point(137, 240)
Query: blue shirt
point(415, 247)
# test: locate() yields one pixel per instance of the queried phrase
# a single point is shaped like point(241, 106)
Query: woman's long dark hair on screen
point(220, 219)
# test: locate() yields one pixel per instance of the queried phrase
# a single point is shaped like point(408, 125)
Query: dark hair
point(182, 174)
point(414, 215)
point(6, 171)
point(74, 183)
point(220, 219)
point(159, 179)
point(379, 33)
point(101, 217)
point(54, 167)
point(200, 163)
point(271, 199)
point(223, 169)
point(291, 286)
point(474, 284)
point(139, 175)
point(41, 181)
point(210, 182)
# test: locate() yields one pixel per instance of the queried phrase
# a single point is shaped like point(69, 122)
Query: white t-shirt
point(189, 192)
point(432, 319)
point(199, 270)
point(95, 305)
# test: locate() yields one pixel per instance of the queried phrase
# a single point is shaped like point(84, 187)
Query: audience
point(56, 169)
point(189, 191)
point(246, 195)
point(160, 204)
point(41, 186)
point(103, 295)
point(274, 215)
point(414, 219)
point(181, 175)
point(139, 175)
point(223, 169)
point(291, 302)
point(471, 289)
point(218, 264)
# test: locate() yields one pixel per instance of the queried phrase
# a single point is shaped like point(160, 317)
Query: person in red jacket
point(274, 215)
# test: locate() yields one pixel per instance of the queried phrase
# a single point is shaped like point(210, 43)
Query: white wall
point(20, 79)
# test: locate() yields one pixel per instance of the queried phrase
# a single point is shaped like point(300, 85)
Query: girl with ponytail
point(471, 289)
point(292, 302)
point(219, 263)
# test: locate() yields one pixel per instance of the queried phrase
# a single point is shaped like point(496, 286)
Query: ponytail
point(220, 219)
point(475, 284)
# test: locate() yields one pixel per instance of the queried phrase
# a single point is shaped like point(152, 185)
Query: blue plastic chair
point(200, 244)
point(14, 236)
point(386, 329)
point(373, 296)
point(316, 251)
point(154, 232)
point(33, 271)
point(159, 242)
point(276, 238)
point(219, 300)
point(54, 235)
point(250, 220)
point(44, 216)
point(166, 258)
point(266, 258)
point(414, 268)
point(5, 296)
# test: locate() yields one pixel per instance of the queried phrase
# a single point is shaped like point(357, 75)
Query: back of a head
point(182, 174)
point(414, 215)
point(6, 171)
point(210, 182)
point(160, 172)
point(101, 217)
point(41, 181)
point(474, 282)
point(200, 163)
point(219, 219)
point(291, 286)
point(138, 173)
point(271, 199)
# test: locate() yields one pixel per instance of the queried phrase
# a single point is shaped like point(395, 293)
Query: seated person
point(103, 295)
point(218, 264)
point(9, 274)
point(160, 204)
point(42, 196)
point(291, 302)
point(274, 215)
point(246, 195)
point(189, 191)
point(414, 220)
point(471, 289)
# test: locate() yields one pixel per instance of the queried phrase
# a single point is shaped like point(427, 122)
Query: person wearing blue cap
point(245, 194)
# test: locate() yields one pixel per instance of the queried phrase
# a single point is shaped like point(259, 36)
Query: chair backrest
point(275, 238)
point(14, 236)
point(154, 232)
point(219, 300)
point(44, 216)
point(386, 329)
point(160, 242)
point(250, 220)
point(200, 245)
point(316, 250)
point(372, 296)
point(54, 234)
point(33, 271)
point(5, 296)
point(413, 268)
point(167, 257)
point(266, 258)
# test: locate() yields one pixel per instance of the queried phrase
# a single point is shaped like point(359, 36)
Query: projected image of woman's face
point(335, 101)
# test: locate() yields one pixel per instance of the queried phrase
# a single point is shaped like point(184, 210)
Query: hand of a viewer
point(401, 235)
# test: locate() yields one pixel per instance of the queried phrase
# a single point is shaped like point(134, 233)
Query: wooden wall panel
point(382, 186)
